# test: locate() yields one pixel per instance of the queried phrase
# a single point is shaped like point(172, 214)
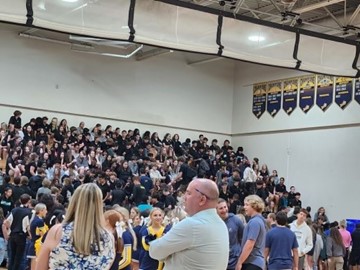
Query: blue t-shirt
point(235, 229)
point(280, 241)
point(255, 230)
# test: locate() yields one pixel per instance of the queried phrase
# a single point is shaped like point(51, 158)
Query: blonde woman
point(129, 238)
point(37, 229)
point(154, 230)
point(81, 241)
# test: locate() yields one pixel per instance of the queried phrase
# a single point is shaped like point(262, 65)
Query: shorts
point(354, 257)
point(135, 255)
point(31, 254)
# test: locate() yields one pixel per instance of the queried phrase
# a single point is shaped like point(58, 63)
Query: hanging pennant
point(357, 90)
point(343, 91)
point(259, 99)
point(307, 93)
point(324, 92)
point(290, 94)
point(273, 102)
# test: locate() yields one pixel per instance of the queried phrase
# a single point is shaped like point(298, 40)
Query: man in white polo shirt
point(200, 241)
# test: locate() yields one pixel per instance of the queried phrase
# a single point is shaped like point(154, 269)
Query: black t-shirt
point(280, 188)
point(7, 205)
point(15, 121)
point(105, 188)
point(118, 197)
point(27, 169)
point(355, 236)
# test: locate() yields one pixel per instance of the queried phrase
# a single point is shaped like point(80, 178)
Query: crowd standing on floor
point(82, 183)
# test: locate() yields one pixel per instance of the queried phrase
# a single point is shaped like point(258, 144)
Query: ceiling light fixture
point(256, 38)
point(70, 1)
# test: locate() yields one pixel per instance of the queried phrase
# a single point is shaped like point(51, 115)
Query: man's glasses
point(202, 193)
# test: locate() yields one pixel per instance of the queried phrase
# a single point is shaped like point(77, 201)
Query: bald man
point(201, 240)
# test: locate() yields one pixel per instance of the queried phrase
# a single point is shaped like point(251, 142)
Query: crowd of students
point(137, 172)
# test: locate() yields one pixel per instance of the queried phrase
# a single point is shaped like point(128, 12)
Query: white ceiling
point(190, 30)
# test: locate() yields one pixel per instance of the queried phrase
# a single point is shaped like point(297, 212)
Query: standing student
point(37, 230)
point(335, 250)
point(81, 241)
point(281, 246)
point(201, 240)
point(346, 237)
point(235, 229)
point(303, 234)
point(19, 223)
point(354, 260)
point(153, 231)
point(113, 221)
point(129, 238)
point(253, 241)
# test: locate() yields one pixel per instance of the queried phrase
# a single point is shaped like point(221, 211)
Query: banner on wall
point(357, 90)
point(343, 91)
point(307, 93)
point(324, 92)
point(290, 94)
point(273, 100)
point(259, 99)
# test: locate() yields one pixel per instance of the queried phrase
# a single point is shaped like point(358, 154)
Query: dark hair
point(303, 210)
point(17, 180)
point(281, 218)
point(25, 198)
point(296, 210)
point(17, 113)
point(7, 189)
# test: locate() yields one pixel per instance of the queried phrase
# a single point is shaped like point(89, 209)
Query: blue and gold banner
point(290, 94)
point(325, 92)
point(357, 90)
point(343, 91)
point(307, 93)
point(273, 102)
point(259, 99)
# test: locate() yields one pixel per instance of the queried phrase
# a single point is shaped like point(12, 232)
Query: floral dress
point(64, 255)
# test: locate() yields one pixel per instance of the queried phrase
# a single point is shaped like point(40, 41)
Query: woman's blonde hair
point(85, 211)
point(152, 212)
point(256, 203)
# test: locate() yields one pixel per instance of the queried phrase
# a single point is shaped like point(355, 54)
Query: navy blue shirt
point(280, 241)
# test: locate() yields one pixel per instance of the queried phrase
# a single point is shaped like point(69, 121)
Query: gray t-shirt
point(255, 230)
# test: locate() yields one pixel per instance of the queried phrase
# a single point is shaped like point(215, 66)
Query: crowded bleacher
point(138, 171)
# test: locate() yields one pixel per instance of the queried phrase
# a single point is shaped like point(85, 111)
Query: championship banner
point(273, 102)
point(307, 93)
point(259, 99)
point(343, 91)
point(290, 94)
point(357, 90)
point(325, 92)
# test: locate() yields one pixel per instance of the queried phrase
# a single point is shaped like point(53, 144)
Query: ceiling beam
point(316, 6)
point(205, 61)
point(141, 55)
point(354, 15)
point(333, 17)
point(276, 6)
